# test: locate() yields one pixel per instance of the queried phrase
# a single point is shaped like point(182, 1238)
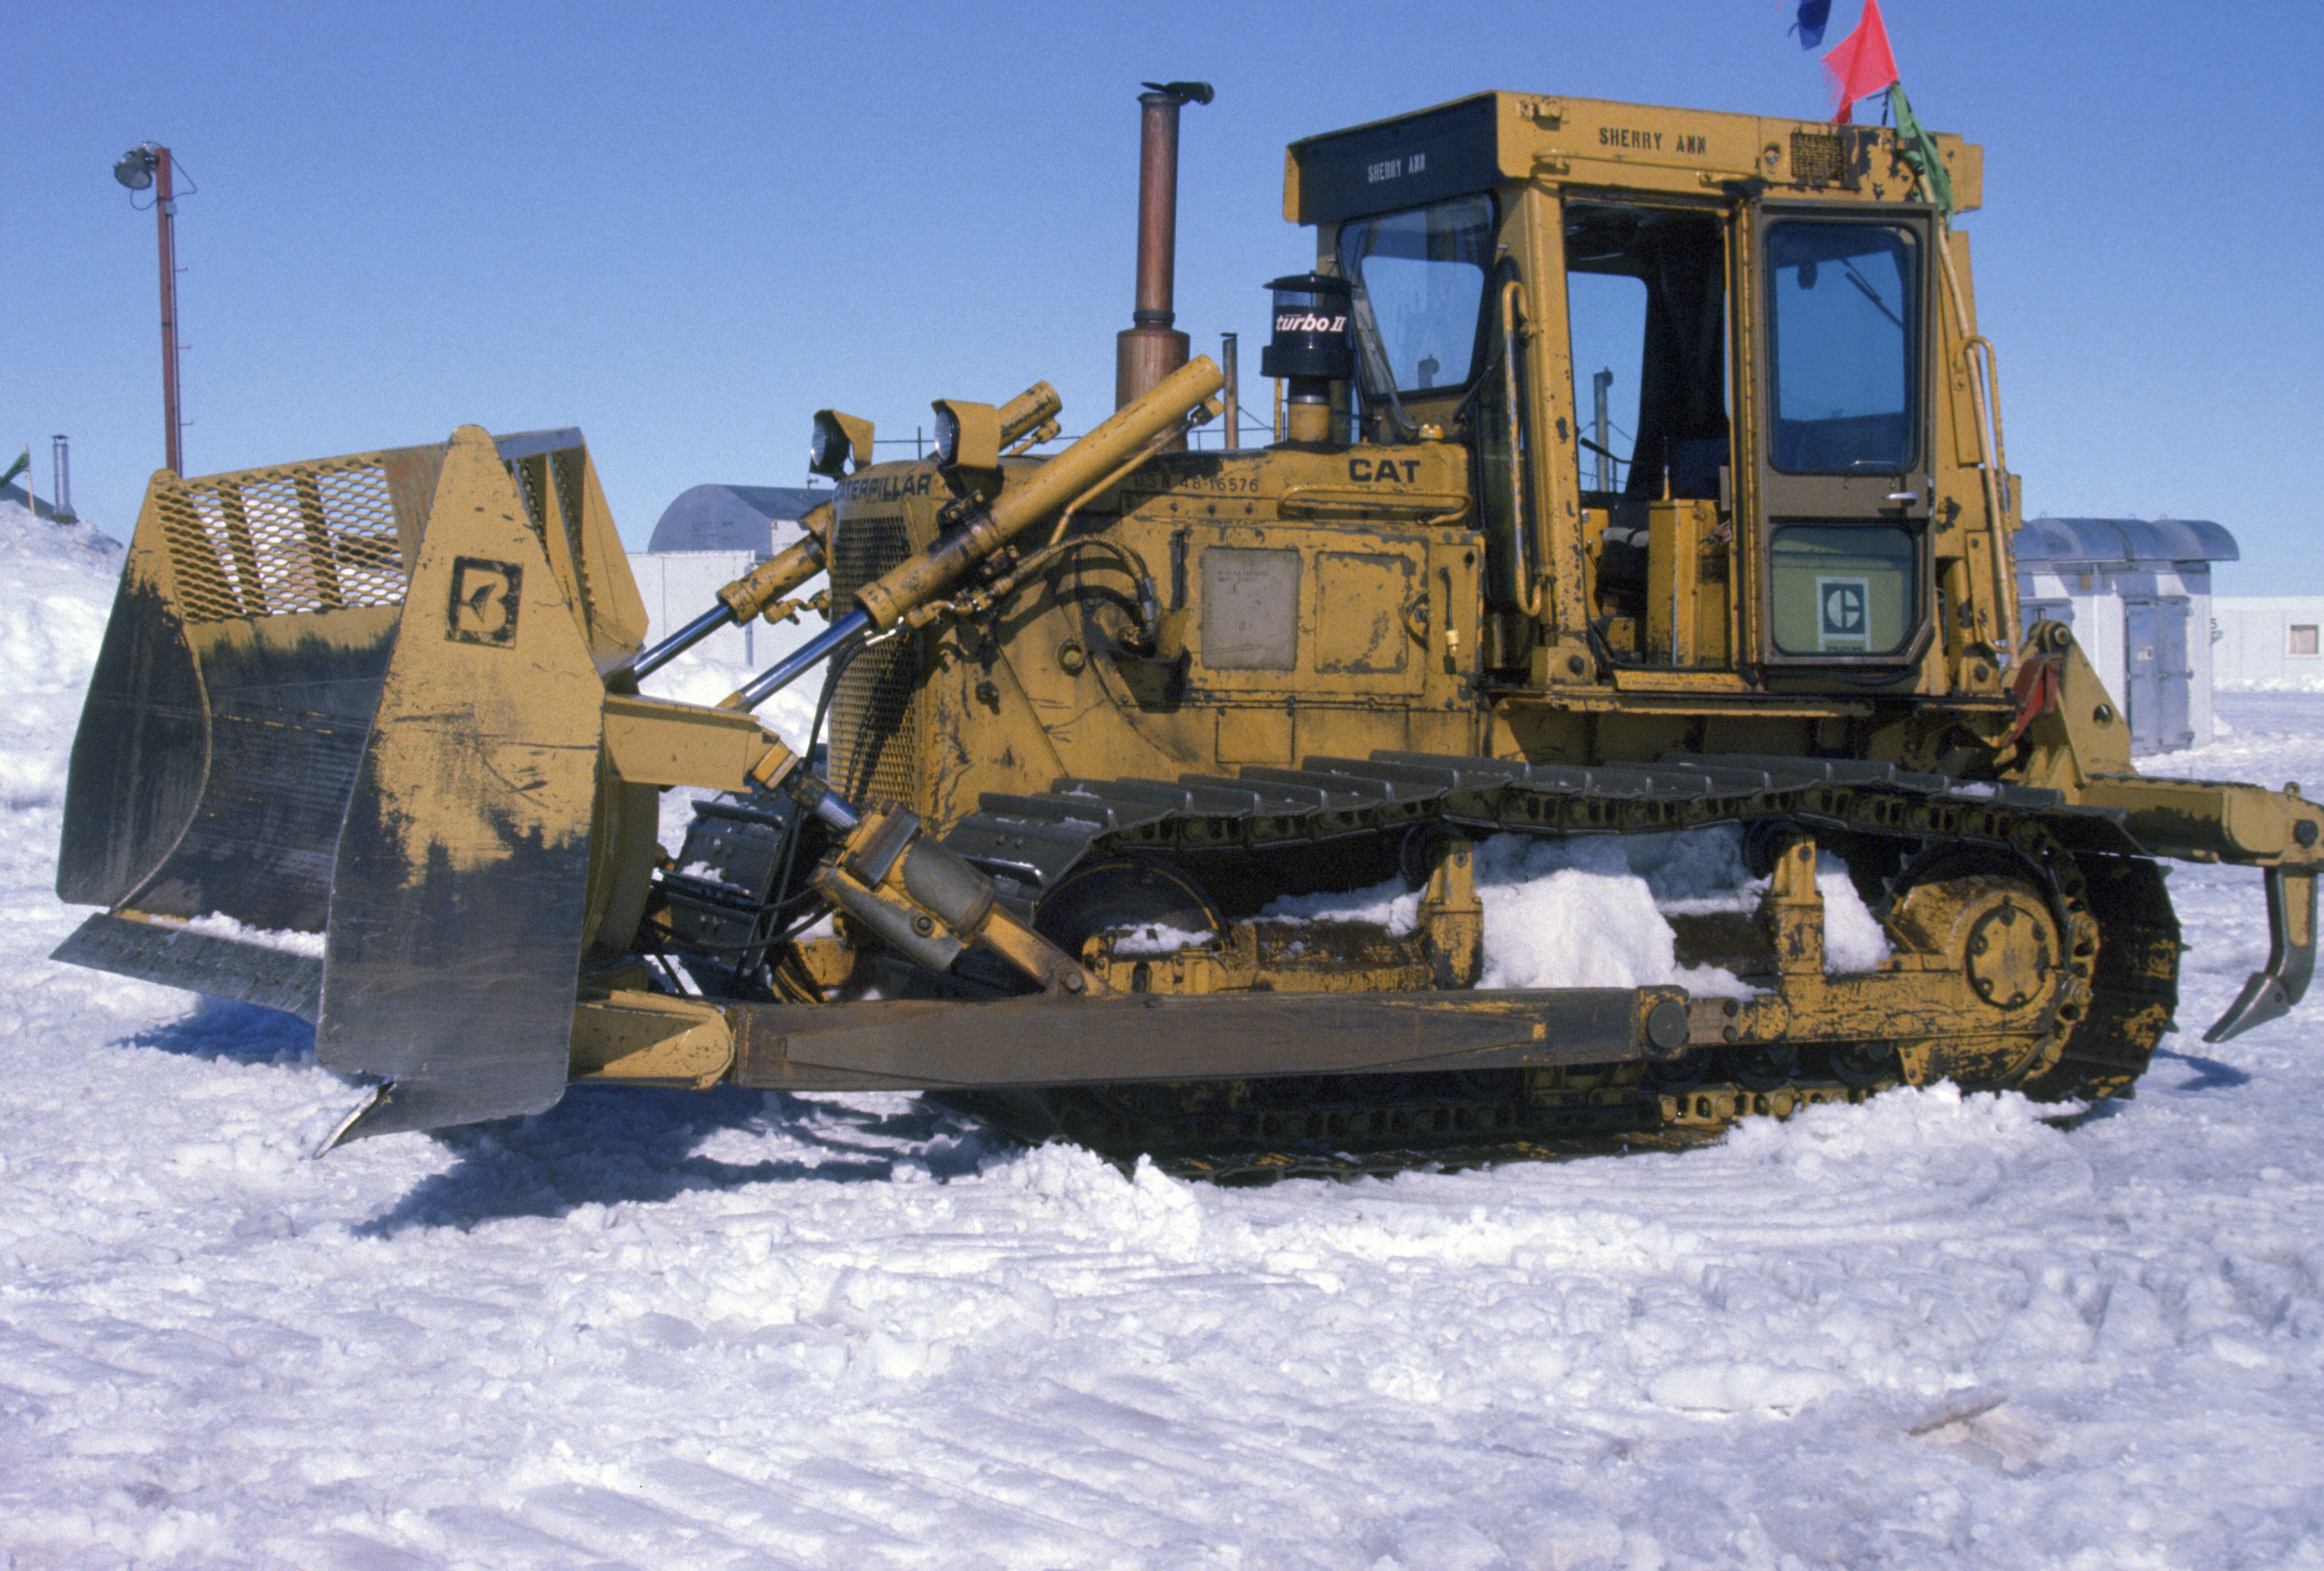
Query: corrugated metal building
point(22, 495)
point(709, 537)
point(2137, 593)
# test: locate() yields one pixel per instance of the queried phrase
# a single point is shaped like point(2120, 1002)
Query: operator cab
point(1725, 383)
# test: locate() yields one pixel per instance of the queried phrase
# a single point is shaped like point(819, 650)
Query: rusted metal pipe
point(165, 213)
point(1150, 351)
point(1231, 396)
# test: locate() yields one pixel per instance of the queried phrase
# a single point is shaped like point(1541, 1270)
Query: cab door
point(1844, 440)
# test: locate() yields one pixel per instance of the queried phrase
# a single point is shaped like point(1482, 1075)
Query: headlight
point(968, 435)
point(836, 440)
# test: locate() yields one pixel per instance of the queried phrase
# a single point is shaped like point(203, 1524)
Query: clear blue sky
point(683, 228)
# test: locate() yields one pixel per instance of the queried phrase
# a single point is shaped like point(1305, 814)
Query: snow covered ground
point(2300, 684)
point(664, 1330)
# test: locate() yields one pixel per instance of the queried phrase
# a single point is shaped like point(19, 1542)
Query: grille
point(539, 473)
point(529, 474)
point(567, 464)
point(875, 712)
point(1819, 157)
point(265, 543)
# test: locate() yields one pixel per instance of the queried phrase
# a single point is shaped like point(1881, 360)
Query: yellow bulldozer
point(365, 741)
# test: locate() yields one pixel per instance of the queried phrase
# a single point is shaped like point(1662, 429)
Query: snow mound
point(56, 590)
point(1590, 912)
point(2312, 683)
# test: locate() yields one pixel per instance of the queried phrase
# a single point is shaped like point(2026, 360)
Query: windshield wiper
point(1859, 279)
point(1371, 360)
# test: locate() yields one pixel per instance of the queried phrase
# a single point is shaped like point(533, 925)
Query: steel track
point(2114, 1004)
point(2106, 893)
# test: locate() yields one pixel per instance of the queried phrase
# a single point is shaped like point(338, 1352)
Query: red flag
point(1861, 65)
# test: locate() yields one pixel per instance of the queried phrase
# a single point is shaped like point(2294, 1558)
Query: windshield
point(1424, 273)
point(1843, 321)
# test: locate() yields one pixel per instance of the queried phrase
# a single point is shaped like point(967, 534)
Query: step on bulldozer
point(366, 743)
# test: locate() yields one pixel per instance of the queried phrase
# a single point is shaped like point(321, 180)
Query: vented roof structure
point(2124, 540)
point(725, 518)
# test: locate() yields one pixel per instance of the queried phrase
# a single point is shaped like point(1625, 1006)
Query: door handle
point(1926, 498)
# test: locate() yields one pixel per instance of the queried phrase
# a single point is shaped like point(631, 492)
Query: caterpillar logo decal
point(885, 487)
point(1843, 613)
point(484, 601)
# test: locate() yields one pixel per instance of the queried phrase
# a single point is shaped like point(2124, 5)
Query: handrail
point(1985, 387)
point(1530, 598)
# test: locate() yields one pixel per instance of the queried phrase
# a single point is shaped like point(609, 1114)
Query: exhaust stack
point(1148, 352)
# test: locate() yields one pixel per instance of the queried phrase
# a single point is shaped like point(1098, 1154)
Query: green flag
point(24, 462)
point(1920, 150)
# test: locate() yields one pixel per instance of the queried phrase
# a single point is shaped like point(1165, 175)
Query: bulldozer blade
point(351, 705)
point(2273, 990)
point(460, 882)
point(227, 711)
point(211, 963)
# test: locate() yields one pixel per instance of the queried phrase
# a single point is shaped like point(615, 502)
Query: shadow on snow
point(220, 1030)
point(2210, 1073)
point(607, 1144)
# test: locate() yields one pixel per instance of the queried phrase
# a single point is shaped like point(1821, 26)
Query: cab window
point(1424, 275)
point(1843, 328)
point(1843, 590)
point(1647, 307)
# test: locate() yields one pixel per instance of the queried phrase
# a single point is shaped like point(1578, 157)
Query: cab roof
point(1492, 139)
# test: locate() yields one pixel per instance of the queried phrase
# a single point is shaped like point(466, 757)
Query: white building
point(709, 537)
point(2137, 593)
point(2267, 642)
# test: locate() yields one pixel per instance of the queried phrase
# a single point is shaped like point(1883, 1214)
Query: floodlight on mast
point(147, 166)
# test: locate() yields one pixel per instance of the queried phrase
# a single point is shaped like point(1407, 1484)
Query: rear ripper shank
point(364, 741)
